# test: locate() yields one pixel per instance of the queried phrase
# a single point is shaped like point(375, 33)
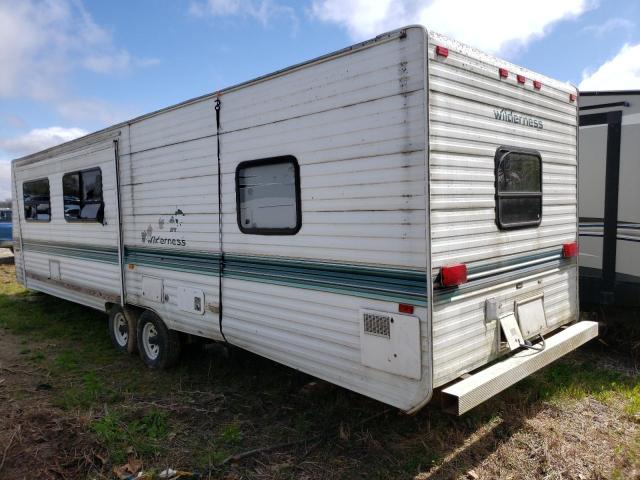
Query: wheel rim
point(150, 341)
point(120, 329)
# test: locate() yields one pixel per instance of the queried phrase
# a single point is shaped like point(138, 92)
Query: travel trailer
point(609, 197)
point(389, 218)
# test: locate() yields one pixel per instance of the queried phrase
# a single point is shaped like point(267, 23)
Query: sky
point(70, 67)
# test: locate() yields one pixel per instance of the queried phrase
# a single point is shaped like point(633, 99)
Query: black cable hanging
point(221, 259)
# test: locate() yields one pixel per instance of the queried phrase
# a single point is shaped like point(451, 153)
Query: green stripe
point(74, 250)
point(390, 284)
point(202, 263)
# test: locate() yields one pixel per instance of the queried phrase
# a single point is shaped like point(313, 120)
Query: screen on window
point(82, 193)
point(518, 188)
point(36, 197)
point(268, 196)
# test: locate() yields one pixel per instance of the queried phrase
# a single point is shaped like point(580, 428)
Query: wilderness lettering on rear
point(515, 118)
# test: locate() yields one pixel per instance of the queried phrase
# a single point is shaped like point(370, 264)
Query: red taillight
point(452, 275)
point(521, 79)
point(442, 51)
point(537, 84)
point(405, 308)
point(572, 97)
point(504, 73)
point(570, 250)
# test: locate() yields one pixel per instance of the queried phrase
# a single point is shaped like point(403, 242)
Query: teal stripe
point(371, 282)
point(74, 250)
point(390, 284)
point(202, 263)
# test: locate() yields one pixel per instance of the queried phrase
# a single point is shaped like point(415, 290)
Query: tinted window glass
point(268, 199)
point(36, 198)
point(518, 188)
point(82, 192)
point(5, 215)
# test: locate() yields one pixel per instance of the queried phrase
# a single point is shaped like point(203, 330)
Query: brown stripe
point(107, 297)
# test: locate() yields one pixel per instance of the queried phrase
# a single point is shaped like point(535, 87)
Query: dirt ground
point(71, 407)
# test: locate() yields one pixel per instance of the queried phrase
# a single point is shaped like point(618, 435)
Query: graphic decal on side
point(162, 237)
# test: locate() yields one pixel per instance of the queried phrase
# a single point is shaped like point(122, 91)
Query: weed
point(231, 435)
point(121, 435)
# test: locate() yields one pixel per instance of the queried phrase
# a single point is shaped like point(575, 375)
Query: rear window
point(36, 198)
point(518, 188)
point(5, 215)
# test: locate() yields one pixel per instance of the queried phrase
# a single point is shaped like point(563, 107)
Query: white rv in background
point(609, 197)
point(388, 218)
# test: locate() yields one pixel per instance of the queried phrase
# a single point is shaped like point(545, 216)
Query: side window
point(518, 188)
point(36, 197)
point(268, 196)
point(82, 193)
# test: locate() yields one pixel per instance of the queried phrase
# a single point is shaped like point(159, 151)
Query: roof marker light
point(442, 51)
point(453, 275)
point(537, 84)
point(573, 97)
point(504, 73)
point(570, 250)
point(521, 79)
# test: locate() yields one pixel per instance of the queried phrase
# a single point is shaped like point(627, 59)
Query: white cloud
point(608, 26)
point(42, 40)
point(498, 26)
point(622, 72)
point(262, 10)
point(39, 139)
point(32, 141)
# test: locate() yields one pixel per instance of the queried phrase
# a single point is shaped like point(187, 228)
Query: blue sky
point(68, 67)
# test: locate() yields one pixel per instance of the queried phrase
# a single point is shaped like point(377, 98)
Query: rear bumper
point(484, 384)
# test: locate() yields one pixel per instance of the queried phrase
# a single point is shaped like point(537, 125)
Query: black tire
point(122, 329)
point(159, 347)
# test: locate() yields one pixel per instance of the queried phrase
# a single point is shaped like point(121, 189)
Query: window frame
point(270, 161)
point(501, 153)
point(98, 219)
point(35, 220)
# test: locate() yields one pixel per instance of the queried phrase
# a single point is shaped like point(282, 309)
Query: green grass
point(125, 436)
point(210, 407)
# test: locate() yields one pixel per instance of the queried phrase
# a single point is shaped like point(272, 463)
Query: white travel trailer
point(609, 197)
point(388, 217)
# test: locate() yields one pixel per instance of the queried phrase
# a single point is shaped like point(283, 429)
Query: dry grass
point(71, 407)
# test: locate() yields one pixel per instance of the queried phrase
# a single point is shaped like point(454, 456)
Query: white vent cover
point(391, 342)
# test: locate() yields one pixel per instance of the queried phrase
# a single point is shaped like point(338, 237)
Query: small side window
point(268, 196)
point(518, 188)
point(37, 200)
point(82, 193)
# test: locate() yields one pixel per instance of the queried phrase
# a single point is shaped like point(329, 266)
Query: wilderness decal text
point(508, 116)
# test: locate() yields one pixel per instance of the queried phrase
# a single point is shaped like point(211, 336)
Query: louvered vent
point(376, 324)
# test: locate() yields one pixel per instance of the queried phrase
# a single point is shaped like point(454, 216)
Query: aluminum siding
point(464, 92)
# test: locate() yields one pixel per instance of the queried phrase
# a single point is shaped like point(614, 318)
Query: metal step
point(484, 384)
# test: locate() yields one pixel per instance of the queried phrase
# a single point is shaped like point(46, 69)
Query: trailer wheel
point(122, 329)
point(159, 347)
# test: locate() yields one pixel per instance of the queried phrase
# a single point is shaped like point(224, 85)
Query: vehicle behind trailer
point(389, 218)
point(609, 197)
point(6, 228)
